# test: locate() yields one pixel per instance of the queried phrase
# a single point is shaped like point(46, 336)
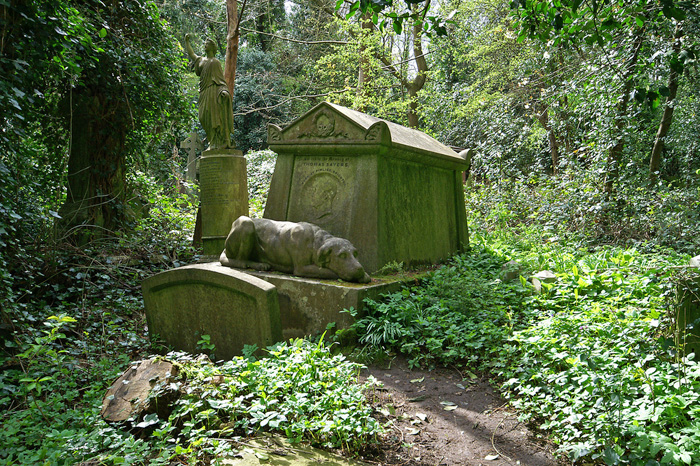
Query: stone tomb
point(394, 192)
point(230, 306)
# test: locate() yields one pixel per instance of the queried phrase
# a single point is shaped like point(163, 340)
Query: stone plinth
point(308, 305)
point(394, 192)
point(230, 306)
point(224, 195)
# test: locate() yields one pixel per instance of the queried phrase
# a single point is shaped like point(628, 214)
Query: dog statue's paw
point(261, 267)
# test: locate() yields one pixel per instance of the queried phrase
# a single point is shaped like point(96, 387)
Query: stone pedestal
point(224, 195)
point(308, 305)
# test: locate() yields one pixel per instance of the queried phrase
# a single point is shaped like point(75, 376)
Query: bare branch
point(289, 39)
point(287, 100)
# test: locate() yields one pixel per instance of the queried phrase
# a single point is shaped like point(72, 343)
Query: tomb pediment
point(333, 125)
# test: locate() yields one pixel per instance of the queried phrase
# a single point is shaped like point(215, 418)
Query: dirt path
point(441, 419)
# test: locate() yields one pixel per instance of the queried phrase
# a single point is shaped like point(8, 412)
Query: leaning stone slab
point(232, 307)
point(128, 396)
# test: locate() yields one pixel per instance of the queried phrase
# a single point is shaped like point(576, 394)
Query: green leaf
point(676, 64)
point(149, 420)
point(102, 33)
point(611, 457)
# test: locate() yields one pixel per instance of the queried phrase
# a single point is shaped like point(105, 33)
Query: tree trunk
point(543, 118)
point(363, 72)
point(96, 183)
point(615, 152)
point(413, 87)
point(232, 39)
point(412, 112)
point(263, 37)
point(667, 118)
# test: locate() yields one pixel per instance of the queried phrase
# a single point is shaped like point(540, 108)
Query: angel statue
point(215, 107)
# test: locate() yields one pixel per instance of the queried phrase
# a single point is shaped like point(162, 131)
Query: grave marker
point(192, 145)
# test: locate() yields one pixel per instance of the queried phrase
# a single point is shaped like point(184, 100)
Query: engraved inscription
point(216, 187)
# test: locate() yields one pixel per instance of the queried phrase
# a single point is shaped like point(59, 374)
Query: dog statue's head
point(340, 256)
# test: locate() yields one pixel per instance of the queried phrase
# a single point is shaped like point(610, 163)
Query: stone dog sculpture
point(301, 249)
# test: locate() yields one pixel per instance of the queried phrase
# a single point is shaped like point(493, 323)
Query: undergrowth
point(591, 359)
point(299, 390)
point(75, 321)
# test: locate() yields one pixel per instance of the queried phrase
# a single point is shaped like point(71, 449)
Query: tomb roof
point(330, 124)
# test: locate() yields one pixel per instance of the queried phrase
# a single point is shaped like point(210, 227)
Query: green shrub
point(300, 390)
point(458, 314)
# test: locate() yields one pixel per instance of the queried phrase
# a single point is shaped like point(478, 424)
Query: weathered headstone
point(394, 192)
point(511, 270)
point(233, 308)
point(543, 276)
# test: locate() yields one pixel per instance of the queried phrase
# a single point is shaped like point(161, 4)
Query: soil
point(443, 417)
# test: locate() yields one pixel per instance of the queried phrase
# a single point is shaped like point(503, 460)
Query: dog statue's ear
point(324, 255)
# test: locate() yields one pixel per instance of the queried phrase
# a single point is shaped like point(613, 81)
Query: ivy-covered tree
point(98, 82)
point(127, 97)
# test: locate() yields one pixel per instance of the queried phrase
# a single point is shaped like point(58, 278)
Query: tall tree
point(124, 94)
point(622, 31)
point(233, 38)
point(671, 93)
point(383, 71)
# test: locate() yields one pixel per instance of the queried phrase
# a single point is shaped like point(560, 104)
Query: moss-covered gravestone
point(233, 308)
point(394, 192)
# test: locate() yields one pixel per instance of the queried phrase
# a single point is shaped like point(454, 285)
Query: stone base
point(308, 305)
point(275, 450)
point(244, 307)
